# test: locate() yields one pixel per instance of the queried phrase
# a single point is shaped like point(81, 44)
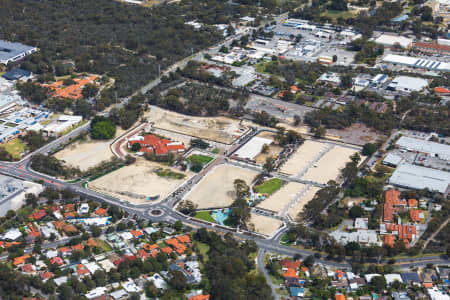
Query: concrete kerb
point(125, 134)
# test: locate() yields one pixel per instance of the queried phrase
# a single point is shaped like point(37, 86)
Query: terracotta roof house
point(136, 233)
point(153, 144)
point(143, 254)
point(21, 259)
point(28, 268)
point(389, 240)
point(290, 264)
point(78, 247)
point(38, 215)
point(167, 250)
point(101, 211)
point(57, 260)
point(200, 297)
point(59, 224)
point(416, 215)
point(46, 275)
point(290, 273)
point(412, 203)
point(69, 207)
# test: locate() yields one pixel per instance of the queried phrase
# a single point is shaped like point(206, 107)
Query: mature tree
point(320, 132)
point(269, 165)
point(90, 90)
point(241, 188)
point(369, 149)
point(102, 128)
point(96, 230)
point(356, 212)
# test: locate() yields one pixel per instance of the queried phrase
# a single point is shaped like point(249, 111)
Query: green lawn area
point(282, 292)
point(15, 147)
point(216, 151)
point(103, 245)
point(336, 14)
point(202, 159)
point(205, 215)
point(203, 249)
point(270, 186)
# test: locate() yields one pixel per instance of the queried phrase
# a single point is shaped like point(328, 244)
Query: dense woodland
point(123, 41)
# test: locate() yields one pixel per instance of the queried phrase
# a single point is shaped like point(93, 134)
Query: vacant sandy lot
point(216, 189)
point(329, 166)
point(220, 129)
point(304, 154)
point(298, 207)
point(136, 182)
point(87, 154)
point(264, 225)
point(282, 197)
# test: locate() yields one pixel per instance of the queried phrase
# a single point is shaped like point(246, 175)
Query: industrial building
point(13, 191)
point(415, 62)
point(11, 52)
point(388, 40)
point(432, 48)
point(407, 84)
point(392, 160)
point(415, 177)
point(441, 151)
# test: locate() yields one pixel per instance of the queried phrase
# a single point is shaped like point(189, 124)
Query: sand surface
point(264, 225)
point(137, 181)
point(298, 207)
point(304, 154)
point(87, 154)
point(216, 189)
point(220, 129)
point(329, 166)
point(282, 197)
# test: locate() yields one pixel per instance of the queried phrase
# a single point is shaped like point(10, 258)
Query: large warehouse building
point(415, 62)
point(407, 84)
point(388, 40)
point(416, 177)
point(441, 151)
point(11, 52)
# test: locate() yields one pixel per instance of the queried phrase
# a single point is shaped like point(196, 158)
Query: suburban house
point(153, 144)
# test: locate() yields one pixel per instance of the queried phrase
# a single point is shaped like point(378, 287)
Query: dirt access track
point(216, 189)
point(219, 129)
point(137, 181)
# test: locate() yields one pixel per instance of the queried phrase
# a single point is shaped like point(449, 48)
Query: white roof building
point(150, 230)
point(253, 147)
point(83, 209)
point(119, 294)
point(390, 40)
point(369, 277)
point(333, 78)
point(361, 236)
point(51, 253)
point(126, 235)
point(391, 278)
point(97, 292)
point(392, 160)
point(361, 223)
point(407, 84)
point(60, 280)
point(434, 149)
point(416, 177)
point(92, 267)
point(158, 281)
point(12, 235)
point(436, 294)
point(130, 286)
point(416, 62)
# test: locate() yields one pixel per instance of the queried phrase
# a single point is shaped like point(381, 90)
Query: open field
point(15, 147)
point(220, 129)
point(269, 186)
point(264, 225)
point(87, 154)
point(329, 166)
point(137, 181)
point(282, 197)
point(298, 207)
point(304, 154)
point(216, 189)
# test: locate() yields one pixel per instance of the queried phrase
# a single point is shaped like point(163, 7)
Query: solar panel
point(432, 64)
point(419, 60)
point(436, 66)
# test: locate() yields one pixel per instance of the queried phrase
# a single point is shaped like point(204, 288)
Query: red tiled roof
point(433, 46)
point(414, 214)
point(78, 247)
point(57, 260)
point(290, 264)
point(38, 215)
point(167, 250)
point(389, 240)
point(184, 239)
point(339, 297)
point(413, 202)
point(69, 207)
point(101, 211)
point(46, 275)
point(27, 268)
point(441, 90)
point(200, 297)
point(290, 273)
point(152, 143)
point(143, 254)
point(136, 233)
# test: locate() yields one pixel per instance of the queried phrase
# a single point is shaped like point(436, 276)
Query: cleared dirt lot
point(329, 166)
point(304, 154)
point(282, 197)
point(220, 129)
point(298, 207)
point(216, 189)
point(136, 182)
point(264, 225)
point(87, 154)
